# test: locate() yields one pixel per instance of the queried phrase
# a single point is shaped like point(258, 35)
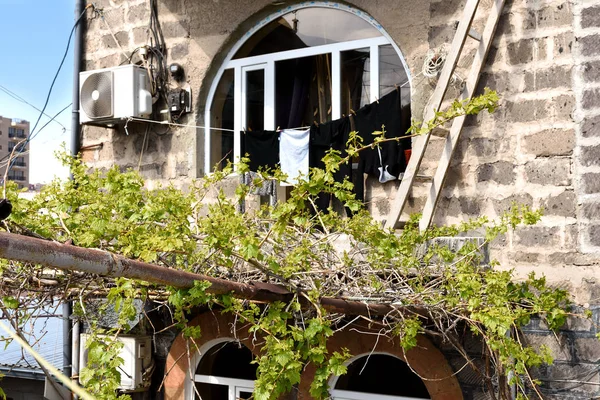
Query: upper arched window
point(302, 65)
point(225, 372)
point(378, 376)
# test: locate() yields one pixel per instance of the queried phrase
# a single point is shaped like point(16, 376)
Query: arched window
point(378, 376)
point(305, 64)
point(224, 372)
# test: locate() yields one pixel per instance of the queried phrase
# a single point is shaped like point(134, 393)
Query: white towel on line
point(293, 154)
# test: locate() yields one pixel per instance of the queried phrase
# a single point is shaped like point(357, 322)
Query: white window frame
point(234, 385)
point(338, 394)
point(267, 62)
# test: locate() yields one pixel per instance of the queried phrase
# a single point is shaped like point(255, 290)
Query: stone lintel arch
point(425, 359)
point(215, 326)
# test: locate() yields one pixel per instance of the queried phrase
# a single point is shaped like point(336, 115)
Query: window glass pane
point(207, 391)
point(392, 73)
point(355, 79)
point(306, 28)
point(244, 395)
point(228, 360)
point(382, 374)
point(255, 100)
point(222, 115)
point(303, 91)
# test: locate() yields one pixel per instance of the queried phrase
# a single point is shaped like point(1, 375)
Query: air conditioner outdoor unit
point(137, 366)
point(112, 94)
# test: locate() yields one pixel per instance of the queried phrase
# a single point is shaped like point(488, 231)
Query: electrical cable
point(33, 132)
point(23, 145)
point(22, 100)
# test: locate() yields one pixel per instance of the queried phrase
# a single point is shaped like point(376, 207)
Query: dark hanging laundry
point(386, 161)
point(326, 136)
point(262, 148)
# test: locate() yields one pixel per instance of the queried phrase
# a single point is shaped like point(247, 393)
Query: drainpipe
point(77, 56)
point(68, 351)
point(75, 358)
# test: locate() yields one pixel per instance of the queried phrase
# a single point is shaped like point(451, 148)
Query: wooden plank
point(433, 105)
point(457, 124)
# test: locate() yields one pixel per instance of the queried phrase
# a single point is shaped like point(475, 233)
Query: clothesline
point(196, 126)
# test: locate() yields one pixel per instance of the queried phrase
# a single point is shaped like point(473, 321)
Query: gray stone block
point(591, 99)
point(563, 44)
point(501, 206)
point(140, 35)
point(483, 147)
point(588, 349)
point(550, 142)
point(537, 236)
point(593, 234)
point(591, 127)
point(591, 210)
point(176, 29)
point(109, 42)
point(564, 105)
point(179, 51)
point(589, 155)
point(558, 345)
point(441, 34)
point(550, 78)
point(551, 16)
point(445, 8)
point(526, 110)
point(501, 172)
point(520, 52)
point(590, 183)
point(555, 16)
point(590, 45)
point(561, 205)
point(495, 80)
point(551, 171)
point(590, 17)
point(526, 257)
point(138, 14)
point(462, 205)
point(591, 71)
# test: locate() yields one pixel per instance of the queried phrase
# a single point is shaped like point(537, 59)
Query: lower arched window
point(225, 372)
point(378, 376)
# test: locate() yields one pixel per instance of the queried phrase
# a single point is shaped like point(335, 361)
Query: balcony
point(16, 178)
point(17, 136)
point(19, 164)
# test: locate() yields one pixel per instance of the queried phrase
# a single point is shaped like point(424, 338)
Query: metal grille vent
point(97, 95)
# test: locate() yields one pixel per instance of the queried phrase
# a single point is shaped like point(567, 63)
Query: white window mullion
point(207, 142)
point(374, 72)
point(336, 86)
point(270, 96)
point(238, 99)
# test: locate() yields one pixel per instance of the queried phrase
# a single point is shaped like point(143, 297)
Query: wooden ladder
point(463, 31)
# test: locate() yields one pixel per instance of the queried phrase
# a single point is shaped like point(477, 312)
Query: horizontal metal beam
point(103, 263)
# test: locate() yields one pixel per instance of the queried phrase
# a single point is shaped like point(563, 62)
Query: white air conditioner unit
point(112, 94)
point(137, 366)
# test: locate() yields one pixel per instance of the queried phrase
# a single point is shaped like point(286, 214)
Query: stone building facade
point(540, 148)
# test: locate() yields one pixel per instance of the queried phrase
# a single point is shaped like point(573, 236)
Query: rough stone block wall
point(162, 156)
point(541, 148)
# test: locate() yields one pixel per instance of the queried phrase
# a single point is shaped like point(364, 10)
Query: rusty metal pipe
point(101, 262)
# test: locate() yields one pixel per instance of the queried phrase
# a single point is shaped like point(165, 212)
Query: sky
point(33, 39)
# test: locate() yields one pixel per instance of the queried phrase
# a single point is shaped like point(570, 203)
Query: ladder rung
point(474, 35)
point(423, 178)
point(440, 132)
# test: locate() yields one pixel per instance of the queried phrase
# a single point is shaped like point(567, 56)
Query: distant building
point(13, 131)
